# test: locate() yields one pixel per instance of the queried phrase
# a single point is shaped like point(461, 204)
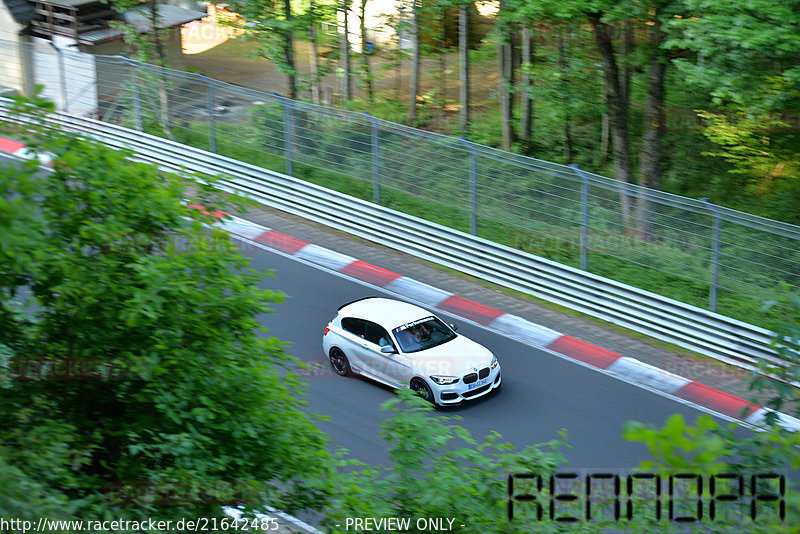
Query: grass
point(242, 142)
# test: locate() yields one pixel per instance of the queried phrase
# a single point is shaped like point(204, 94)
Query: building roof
point(21, 10)
point(168, 16)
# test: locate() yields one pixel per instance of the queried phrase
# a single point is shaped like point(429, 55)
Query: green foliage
point(769, 170)
point(135, 376)
point(147, 45)
point(787, 344)
point(439, 470)
point(708, 449)
point(748, 50)
point(272, 26)
point(678, 447)
point(338, 156)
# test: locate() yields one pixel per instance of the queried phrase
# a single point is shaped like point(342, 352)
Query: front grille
point(470, 378)
point(478, 391)
point(483, 372)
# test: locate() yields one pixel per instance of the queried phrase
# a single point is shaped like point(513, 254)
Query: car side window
point(354, 326)
point(375, 333)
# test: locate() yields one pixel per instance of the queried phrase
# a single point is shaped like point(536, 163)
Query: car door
point(355, 344)
point(389, 368)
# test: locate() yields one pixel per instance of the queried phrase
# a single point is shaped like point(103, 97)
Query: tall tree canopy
point(134, 373)
point(745, 53)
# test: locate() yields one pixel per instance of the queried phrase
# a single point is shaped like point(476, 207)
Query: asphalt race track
point(541, 392)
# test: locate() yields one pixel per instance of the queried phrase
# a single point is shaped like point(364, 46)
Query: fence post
point(376, 161)
point(137, 101)
point(287, 132)
point(715, 244)
point(61, 76)
point(473, 186)
point(584, 217)
point(212, 123)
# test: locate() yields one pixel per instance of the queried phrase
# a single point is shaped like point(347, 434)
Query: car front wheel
point(422, 389)
point(339, 362)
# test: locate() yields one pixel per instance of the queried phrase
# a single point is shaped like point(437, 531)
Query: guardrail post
point(715, 243)
point(584, 217)
point(376, 160)
point(473, 186)
point(61, 76)
point(212, 124)
point(287, 132)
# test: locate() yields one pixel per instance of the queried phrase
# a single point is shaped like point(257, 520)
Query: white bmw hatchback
point(403, 345)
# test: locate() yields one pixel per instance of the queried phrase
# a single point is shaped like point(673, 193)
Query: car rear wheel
point(340, 363)
point(422, 389)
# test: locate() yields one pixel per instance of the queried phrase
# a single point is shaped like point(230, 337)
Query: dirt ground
point(229, 62)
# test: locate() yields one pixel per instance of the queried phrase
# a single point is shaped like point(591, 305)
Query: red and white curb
point(628, 369)
point(15, 148)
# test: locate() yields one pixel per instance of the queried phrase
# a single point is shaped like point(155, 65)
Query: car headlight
point(494, 362)
point(444, 380)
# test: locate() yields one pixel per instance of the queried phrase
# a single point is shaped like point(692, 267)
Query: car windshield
point(422, 334)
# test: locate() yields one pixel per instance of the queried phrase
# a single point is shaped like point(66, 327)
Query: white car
point(403, 345)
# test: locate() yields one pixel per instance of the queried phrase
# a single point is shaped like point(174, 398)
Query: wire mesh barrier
point(686, 249)
point(703, 331)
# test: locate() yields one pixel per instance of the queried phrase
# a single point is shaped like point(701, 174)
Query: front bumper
point(459, 392)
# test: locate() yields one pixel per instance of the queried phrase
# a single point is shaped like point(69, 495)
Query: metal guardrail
point(644, 237)
point(699, 330)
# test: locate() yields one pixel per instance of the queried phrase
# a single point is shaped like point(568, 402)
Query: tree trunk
point(526, 104)
point(313, 53)
point(505, 57)
point(625, 70)
point(367, 71)
point(344, 54)
point(617, 103)
point(288, 50)
point(154, 25)
point(161, 57)
point(442, 62)
point(564, 81)
point(463, 66)
point(653, 131)
point(412, 104)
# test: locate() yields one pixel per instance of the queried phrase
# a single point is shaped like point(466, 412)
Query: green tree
point(367, 75)
point(414, 13)
point(134, 374)
point(763, 164)
point(438, 470)
point(618, 28)
point(505, 33)
point(707, 450)
point(344, 50)
point(463, 65)
point(148, 41)
point(786, 343)
point(272, 25)
point(744, 54)
point(746, 57)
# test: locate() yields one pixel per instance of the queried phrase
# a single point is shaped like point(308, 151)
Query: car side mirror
point(388, 350)
point(454, 327)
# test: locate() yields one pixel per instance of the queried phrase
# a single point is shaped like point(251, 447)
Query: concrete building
point(48, 41)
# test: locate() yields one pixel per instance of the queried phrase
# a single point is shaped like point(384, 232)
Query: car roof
point(388, 313)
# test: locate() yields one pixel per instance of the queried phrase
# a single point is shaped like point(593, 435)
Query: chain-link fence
point(687, 249)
